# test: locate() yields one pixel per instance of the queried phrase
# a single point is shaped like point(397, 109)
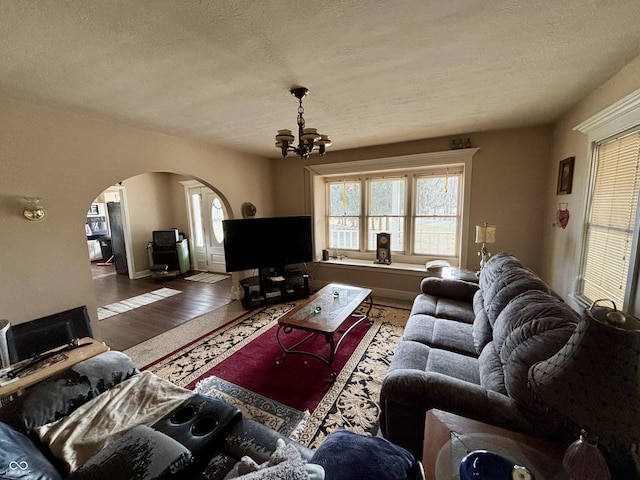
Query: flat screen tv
point(267, 242)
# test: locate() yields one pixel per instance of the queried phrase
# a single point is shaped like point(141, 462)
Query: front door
point(207, 212)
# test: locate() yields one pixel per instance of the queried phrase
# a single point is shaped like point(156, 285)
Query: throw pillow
point(346, 455)
point(21, 460)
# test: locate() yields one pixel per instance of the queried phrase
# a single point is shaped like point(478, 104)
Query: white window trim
point(319, 172)
point(613, 120)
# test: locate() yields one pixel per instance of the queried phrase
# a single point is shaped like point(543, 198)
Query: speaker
point(383, 248)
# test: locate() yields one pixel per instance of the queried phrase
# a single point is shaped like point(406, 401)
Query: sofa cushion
point(449, 288)
point(143, 399)
point(491, 371)
point(21, 459)
point(482, 331)
point(524, 308)
point(507, 286)
point(61, 394)
point(440, 333)
point(141, 454)
point(528, 344)
point(443, 307)
point(494, 267)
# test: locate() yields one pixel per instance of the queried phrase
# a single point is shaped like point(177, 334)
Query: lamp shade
point(485, 233)
point(594, 380)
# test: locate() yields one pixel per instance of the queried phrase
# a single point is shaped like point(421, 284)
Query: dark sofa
point(192, 436)
point(103, 419)
point(467, 349)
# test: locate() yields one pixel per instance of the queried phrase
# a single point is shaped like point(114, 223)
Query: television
point(166, 238)
point(252, 243)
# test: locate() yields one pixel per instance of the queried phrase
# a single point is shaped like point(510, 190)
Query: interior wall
point(508, 189)
point(67, 159)
point(562, 247)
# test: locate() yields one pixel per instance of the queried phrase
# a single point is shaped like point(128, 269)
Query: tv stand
point(274, 286)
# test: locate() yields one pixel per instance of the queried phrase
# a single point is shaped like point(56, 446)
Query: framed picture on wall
point(565, 176)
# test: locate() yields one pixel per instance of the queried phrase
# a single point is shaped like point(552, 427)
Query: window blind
point(611, 220)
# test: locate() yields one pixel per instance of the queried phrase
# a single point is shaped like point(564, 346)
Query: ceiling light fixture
point(309, 138)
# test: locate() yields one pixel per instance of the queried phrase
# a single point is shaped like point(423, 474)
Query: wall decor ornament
point(563, 215)
point(565, 176)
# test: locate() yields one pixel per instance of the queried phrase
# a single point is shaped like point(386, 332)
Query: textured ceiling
point(378, 71)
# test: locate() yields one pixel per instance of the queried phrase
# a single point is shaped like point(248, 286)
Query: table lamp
point(594, 381)
point(485, 234)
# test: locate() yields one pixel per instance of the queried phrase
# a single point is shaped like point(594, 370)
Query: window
point(422, 210)
point(437, 219)
point(608, 253)
point(217, 216)
point(423, 200)
point(344, 215)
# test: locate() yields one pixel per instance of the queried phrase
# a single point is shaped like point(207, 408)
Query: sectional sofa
point(467, 349)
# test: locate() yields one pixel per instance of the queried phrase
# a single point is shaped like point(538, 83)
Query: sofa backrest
point(509, 284)
point(494, 267)
point(531, 328)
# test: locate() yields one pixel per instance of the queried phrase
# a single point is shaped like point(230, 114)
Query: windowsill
point(397, 267)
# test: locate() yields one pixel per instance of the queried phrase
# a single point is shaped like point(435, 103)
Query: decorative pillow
point(21, 460)
point(141, 454)
point(61, 394)
point(345, 455)
point(143, 399)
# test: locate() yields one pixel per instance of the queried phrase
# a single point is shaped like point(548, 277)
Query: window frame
point(620, 118)
point(391, 166)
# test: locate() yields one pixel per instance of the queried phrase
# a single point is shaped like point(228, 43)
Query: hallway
point(130, 328)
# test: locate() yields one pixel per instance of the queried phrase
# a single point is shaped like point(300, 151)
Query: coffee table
point(323, 313)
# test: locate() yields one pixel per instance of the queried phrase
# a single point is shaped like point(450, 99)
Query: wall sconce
point(485, 234)
point(33, 209)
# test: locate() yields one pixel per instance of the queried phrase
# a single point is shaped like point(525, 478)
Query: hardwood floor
point(130, 328)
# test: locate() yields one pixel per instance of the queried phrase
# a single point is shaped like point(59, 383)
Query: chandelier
point(309, 138)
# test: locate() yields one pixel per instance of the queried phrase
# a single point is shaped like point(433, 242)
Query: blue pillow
point(345, 455)
point(21, 460)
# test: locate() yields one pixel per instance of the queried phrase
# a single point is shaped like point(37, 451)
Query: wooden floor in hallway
point(127, 329)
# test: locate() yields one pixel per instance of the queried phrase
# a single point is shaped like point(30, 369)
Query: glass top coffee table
point(323, 313)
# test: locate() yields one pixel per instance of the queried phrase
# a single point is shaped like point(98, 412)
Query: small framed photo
point(565, 176)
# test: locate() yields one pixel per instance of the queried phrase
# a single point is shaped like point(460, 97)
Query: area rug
point(135, 302)
point(207, 277)
point(350, 402)
point(281, 418)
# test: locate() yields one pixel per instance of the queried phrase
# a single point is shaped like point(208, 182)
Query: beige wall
point(562, 247)
point(155, 201)
point(508, 186)
point(68, 160)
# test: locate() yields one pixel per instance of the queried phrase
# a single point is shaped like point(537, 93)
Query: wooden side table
point(448, 437)
point(74, 356)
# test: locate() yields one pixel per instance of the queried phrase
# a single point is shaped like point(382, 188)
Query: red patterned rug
point(243, 354)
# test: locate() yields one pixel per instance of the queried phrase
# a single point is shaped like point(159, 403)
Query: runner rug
point(243, 354)
point(207, 277)
point(138, 301)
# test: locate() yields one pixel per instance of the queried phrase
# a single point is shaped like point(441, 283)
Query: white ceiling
point(378, 71)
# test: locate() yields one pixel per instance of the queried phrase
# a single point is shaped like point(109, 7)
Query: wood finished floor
point(131, 328)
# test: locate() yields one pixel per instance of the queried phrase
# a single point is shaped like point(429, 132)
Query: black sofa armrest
point(449, 288)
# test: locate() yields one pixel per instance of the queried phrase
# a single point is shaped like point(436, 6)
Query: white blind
point(611, 220)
